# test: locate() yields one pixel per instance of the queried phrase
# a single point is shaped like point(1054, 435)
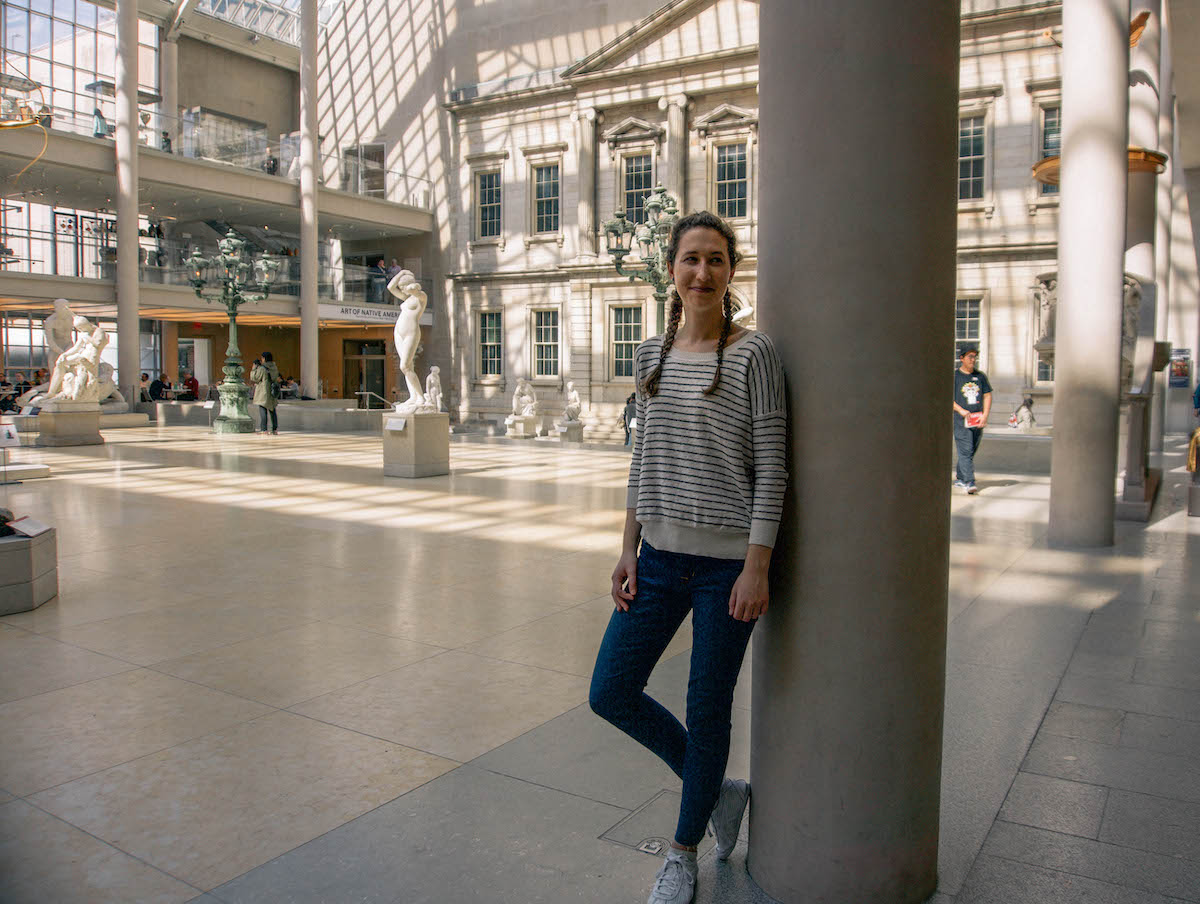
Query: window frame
point(628, 152)
point(537, 157)
point(980, 102)
point(983, 297)
point(479, 314)
point(479, 165)
point(1044, 94)
point(714, 149)
point(612, 341)
point(534, 376)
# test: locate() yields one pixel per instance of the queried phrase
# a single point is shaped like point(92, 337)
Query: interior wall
point(228, 82)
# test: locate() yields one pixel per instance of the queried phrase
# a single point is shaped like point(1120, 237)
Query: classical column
point(1091, 253)
point(1162, 216)
point(849, 663)
point(128, 341)
point(168, 80)
point(309, 350)
point(676, 168)
point(585, 170)
point(1144, 112)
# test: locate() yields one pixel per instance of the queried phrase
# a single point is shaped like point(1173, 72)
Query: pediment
point(724, 118)
point(632, 130)
point(676, 32)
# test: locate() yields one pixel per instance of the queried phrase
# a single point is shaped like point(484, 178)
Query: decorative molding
point(1053, 84)
point(726, 118)
point(631, 129)
point(980, 91)
point(544, 150)
point(588, 114)
point(675, 100)
point(485, 157)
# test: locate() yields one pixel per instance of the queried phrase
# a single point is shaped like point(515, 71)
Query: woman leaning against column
point(706, 486)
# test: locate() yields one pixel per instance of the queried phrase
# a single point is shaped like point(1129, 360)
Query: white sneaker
point(727, 815)
point(676, 880)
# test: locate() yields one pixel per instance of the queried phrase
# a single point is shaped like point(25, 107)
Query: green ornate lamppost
point(652, 238)
point(239, 275)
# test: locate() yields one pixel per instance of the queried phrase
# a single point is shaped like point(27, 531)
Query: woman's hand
point(750, 595)
point(626, 571)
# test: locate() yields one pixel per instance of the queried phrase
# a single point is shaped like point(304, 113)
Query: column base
point(235, 409)
point(1136, 502)
point(416, 445)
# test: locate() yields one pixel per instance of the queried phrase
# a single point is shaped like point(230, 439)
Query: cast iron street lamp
point(652, 237)
point(235, 269)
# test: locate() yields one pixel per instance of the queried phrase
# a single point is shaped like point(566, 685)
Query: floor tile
point(1155, 824)
point(36, 664)
point(1128, 768)
point(528, 845)
point(209, 810)
point(1174, 736)
point(1072, 808)
point(1093, 723)
point(1110, 863)
point(994, 880)
point(1037, 637)
point(68, 733)
point(1130, 697)
point(296, 664)
point(43, 859)
point(149, 637)
point(454, 705)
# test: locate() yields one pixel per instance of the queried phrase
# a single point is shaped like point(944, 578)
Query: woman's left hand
point(750, 594)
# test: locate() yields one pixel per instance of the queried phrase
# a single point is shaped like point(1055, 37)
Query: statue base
point(62, 423)
point(569, 431)
point(235, 409)
point(1194, 497)
point(521, 426)
point(28, 571)
point(416, 445)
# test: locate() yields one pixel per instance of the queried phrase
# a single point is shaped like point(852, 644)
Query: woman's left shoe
point(727, 815)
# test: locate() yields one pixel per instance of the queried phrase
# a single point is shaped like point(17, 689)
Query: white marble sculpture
point(407, 290)
point(57, 330)
point(524, 401)
point(573, 406)
point(76, 376)
point(433, 388)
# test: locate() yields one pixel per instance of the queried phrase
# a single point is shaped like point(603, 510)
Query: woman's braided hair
point(706, 220)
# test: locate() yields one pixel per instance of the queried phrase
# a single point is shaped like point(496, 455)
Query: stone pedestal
point(416, 445)
point(521, 426)
point(28, 571)
point(69, 424)
point(569, 431)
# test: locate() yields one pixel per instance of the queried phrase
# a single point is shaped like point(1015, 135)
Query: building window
point(1045, 370)
point(487, 202)
point(545, 198)
point(1051, 144)
point(639, 182)
point(363, 170)
point(966, 325)
point(490, 340)
point(732, 181)
point(970, 157)
point(545, 343)
point(626, 333)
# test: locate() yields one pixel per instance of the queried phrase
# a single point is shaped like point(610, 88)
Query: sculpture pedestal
point(28, 571)
point(1194, 496)
point(521, 426)
point(235, 414)
point(416, 445)
point(69, 424)
point(569, 431)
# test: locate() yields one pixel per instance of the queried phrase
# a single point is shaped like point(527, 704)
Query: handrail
point(367, 392)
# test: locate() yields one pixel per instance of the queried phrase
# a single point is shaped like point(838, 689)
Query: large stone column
point(676, 170)
point(309, 346)
point(849, 663)
point(1144, 112)
point(128, 343)
point(1091, 251)
point(585, 169)
point(1162, 235)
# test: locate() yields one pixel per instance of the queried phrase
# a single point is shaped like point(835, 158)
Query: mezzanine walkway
point(273, 675)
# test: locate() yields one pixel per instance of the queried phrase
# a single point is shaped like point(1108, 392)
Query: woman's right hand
point(626, 571)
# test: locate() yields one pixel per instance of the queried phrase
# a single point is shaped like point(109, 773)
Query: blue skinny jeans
point(669, 584)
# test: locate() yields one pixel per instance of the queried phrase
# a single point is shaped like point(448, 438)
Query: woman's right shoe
point(676, 879)
point(727, 815)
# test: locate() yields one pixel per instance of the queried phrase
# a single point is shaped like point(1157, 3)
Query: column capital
point(674, 100)
point(588, 114)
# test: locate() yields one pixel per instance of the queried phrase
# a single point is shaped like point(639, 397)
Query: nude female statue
point(404, 286)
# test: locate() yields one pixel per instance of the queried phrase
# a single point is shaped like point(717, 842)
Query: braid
point(726, 328)
point(650, 384)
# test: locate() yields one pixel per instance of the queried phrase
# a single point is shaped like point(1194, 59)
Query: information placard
point(395, 424)
point(28, 526)
point(9, 436)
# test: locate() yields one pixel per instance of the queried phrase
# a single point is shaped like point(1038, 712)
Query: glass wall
point(24, 344)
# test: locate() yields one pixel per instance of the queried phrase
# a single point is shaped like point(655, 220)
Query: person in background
point(22, 385)
point(8, 398)
point(379, 279)
point(629, 416)
point(972, 405)
point(40, 376)
point(99, 124)
point(164, 143)
point(263, 375)
point(191, 387)
point(393, 269)
point(159, 388)
point(144, 387)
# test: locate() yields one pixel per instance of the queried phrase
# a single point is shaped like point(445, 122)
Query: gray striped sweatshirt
point(709, 472)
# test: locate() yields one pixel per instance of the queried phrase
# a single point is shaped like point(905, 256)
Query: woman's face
point(702, 268)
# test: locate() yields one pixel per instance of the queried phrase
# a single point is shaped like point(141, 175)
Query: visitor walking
point(972, 405)
point(706, 487)
point(629, 416)
point(264, 376)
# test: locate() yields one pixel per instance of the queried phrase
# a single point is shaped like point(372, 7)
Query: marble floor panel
point(272, 674)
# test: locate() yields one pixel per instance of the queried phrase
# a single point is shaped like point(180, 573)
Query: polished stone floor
point(273, 675)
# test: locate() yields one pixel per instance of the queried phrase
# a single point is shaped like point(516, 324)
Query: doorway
point(365, 371)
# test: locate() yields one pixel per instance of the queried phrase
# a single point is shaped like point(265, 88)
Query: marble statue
point(433, 388)
point(524, 401)
point(109, 396)
point(76, 376)
point(57, 330)
point(407, 290)
point(573, 406)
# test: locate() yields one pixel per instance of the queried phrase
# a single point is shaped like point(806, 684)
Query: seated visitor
point(191, 388)
point(22, 385)
point(8, 397)
point(291, 389)
point(145, 388)
point(160, 388)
